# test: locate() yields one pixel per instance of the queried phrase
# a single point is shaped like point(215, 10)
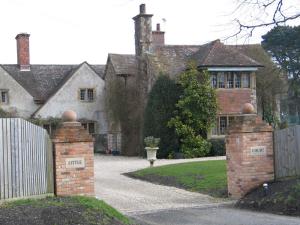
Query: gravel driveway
point(132, 196)
point(151, 204)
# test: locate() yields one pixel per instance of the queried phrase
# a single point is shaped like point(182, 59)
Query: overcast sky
point(73, 31)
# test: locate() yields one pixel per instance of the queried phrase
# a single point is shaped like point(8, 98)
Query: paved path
point(151, 204)
point(130, 195)
point(213, 216)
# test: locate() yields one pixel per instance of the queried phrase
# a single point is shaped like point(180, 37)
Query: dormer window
point(87, 94)
point(4, 96)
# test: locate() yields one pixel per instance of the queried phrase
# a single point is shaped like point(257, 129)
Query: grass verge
point(60, 211)
point(208, 177)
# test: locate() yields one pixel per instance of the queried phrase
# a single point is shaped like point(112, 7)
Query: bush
point(151, 141)
point(195, 112)
point(159, 110)
point(217, 147)
point(4, 114)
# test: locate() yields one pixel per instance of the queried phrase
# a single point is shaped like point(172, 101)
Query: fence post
point(249, 152)
point(74, 158)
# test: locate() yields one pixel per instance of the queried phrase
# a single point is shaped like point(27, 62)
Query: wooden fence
point(287, 152)
point(26, 166)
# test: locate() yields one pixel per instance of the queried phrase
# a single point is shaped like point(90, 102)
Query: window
point(246, 80)
point(222, 125)
point(214, 80)
point(90, 94)
point(221, 83)
point(86, 94)
point(89, 126)
point(229, 80)
point(237, 80)
point(4, 96)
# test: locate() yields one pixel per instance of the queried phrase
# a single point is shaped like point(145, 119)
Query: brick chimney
point(143, 31)
point(158, 36)
point(23, 51)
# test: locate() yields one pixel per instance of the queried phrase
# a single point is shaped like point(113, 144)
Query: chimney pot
point(158, 27)
point(142, 9)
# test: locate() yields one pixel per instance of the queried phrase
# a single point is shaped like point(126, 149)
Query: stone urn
point(151, 148)
point(151, 154)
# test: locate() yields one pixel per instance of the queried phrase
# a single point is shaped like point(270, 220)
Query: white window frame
point(86, 94)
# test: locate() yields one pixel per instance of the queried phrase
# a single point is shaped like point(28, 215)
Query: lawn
point(60, 211)
point(208, 177)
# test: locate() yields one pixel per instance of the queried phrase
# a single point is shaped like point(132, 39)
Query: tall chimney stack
point(23, 51)
point(143, 31)
point(158, 36)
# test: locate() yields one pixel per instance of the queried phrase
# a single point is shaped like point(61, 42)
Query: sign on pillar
point(73, 158)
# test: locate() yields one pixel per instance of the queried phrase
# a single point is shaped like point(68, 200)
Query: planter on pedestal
point(151, 154)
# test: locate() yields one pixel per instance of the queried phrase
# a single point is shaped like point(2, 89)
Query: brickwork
point(249, 152)
point(74, 161)
point(23, 51)
point(158, 36)
point(231, 100)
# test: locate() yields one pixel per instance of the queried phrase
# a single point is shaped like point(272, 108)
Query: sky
point(73, 31)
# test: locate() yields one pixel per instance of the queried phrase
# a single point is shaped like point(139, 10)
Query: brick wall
point(248, 165)
point(74, 160)
point(230, 101)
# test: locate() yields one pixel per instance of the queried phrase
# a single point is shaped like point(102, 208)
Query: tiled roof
point(44, 80)
point(123, 64)
point(217, 54)
point(173, 59)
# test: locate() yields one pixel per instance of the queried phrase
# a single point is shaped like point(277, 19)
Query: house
point(110, 99)
point(44, 92)
point(233, 74)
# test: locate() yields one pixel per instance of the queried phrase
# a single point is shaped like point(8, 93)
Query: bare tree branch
point(255, 14)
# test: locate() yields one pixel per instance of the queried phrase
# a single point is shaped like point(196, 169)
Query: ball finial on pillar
point(69, 116)
point(248, 108)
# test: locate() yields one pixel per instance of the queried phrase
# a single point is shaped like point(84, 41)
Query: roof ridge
point(257, 44)
point(109, 54)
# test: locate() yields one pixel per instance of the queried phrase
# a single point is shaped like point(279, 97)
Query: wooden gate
point(287, 152)
point(26, 164)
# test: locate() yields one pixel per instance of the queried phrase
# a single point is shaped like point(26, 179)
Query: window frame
point(231, 80)
point(86, 94)
point(216, 130)
point(246, 75)
point(87, 125)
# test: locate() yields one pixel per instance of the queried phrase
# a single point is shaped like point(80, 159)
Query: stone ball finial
point(69, 116)
point(248, 108)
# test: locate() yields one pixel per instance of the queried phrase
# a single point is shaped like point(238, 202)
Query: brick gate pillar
point(73, 158)
point(249, 153)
